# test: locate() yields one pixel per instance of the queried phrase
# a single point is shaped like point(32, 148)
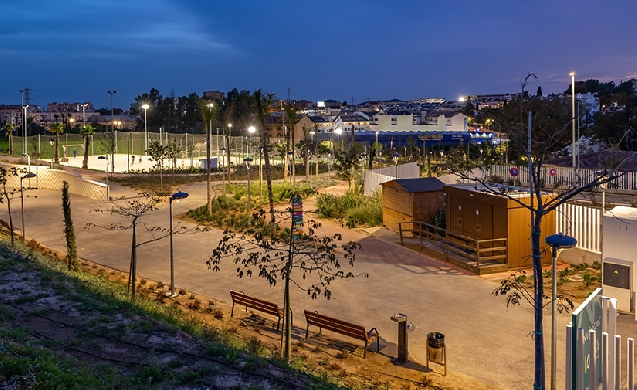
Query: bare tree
point(133, 210)
point(276, 257)
point(545, 132)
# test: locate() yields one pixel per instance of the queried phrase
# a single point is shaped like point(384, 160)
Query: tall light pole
point(25, 120)
point(395, 157)
point(229, 150)
point(556, 242)
point(251, 131)
point(223, 173)
point(27, 176)
point(112, 132)
point(84, 115)
point(176, 196)
point(574, 152)
point(105, 157)
point(208, 183)
point(248, 160)
point(145, 107)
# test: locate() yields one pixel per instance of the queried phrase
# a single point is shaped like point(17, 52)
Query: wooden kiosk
point(409, 200)
point(474, 213)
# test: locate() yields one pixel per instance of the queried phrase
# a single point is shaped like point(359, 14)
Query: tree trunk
point(133, 263)
point(57, 155)
point(87, 142)
point(10, 133)
point(288, 311)
point(539, 300)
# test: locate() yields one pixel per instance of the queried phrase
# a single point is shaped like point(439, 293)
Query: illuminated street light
point(251, 130)
point(556, 242)
point(145, 107)
point(177, 196)
point(27, 176)
point(395, 157)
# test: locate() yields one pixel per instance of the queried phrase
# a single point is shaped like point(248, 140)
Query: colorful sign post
point(297, 218)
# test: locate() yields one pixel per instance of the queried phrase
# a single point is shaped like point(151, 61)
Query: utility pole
point(112, 133)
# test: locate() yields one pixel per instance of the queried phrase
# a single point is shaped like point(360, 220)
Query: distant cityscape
point(428, 118)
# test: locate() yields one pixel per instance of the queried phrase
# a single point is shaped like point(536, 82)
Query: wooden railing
point(478, 250)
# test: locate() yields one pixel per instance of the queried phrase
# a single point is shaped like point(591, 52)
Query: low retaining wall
point(52, 179)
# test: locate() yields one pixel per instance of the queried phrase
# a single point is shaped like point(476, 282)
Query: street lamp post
point(229, 150)
point(51, 142)
point(556, 242)
point(25, 120)
point(27, 176)
point(105, 158)
point(145, 107)
point(251, 131)
point(573, 153)
point(395, 157)
point(260, 174)
point(223, 174)
point(84, 115)
point(176, 196)
point(112, 132)
point(247, 161)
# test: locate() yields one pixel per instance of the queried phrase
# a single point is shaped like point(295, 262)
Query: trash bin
point(435, 347)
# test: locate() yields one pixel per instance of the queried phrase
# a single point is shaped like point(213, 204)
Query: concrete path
point(484, 339)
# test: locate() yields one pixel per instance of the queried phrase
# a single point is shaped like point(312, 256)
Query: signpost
point(297, 218)
point(514, 171)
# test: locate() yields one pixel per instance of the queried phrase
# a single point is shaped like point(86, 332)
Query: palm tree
point(87, 131)
point(9, 127)
point(58, 129)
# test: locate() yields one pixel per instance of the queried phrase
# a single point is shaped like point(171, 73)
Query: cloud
point(112, 29)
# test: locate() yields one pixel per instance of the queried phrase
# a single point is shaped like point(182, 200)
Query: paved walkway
point(484, 339)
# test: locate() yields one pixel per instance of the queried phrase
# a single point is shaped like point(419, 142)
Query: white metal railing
point(581, 222)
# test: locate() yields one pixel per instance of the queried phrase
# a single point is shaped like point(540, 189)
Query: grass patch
point(31, 356)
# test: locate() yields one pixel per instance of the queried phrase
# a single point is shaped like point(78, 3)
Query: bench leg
point(232, 311)
point(278, 324)
point(377, 343)
point(365, 351)
point(307, 331)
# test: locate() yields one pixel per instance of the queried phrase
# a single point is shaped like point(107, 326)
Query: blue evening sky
point(70, 50)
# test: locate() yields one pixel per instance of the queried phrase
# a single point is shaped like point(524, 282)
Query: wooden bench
point(345, 328)
point(239, 298)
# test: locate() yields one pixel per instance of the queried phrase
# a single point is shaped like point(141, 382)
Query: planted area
point(353, 208)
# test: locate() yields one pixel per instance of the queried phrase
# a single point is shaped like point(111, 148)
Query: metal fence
point(555, 176)
point(375, 177)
